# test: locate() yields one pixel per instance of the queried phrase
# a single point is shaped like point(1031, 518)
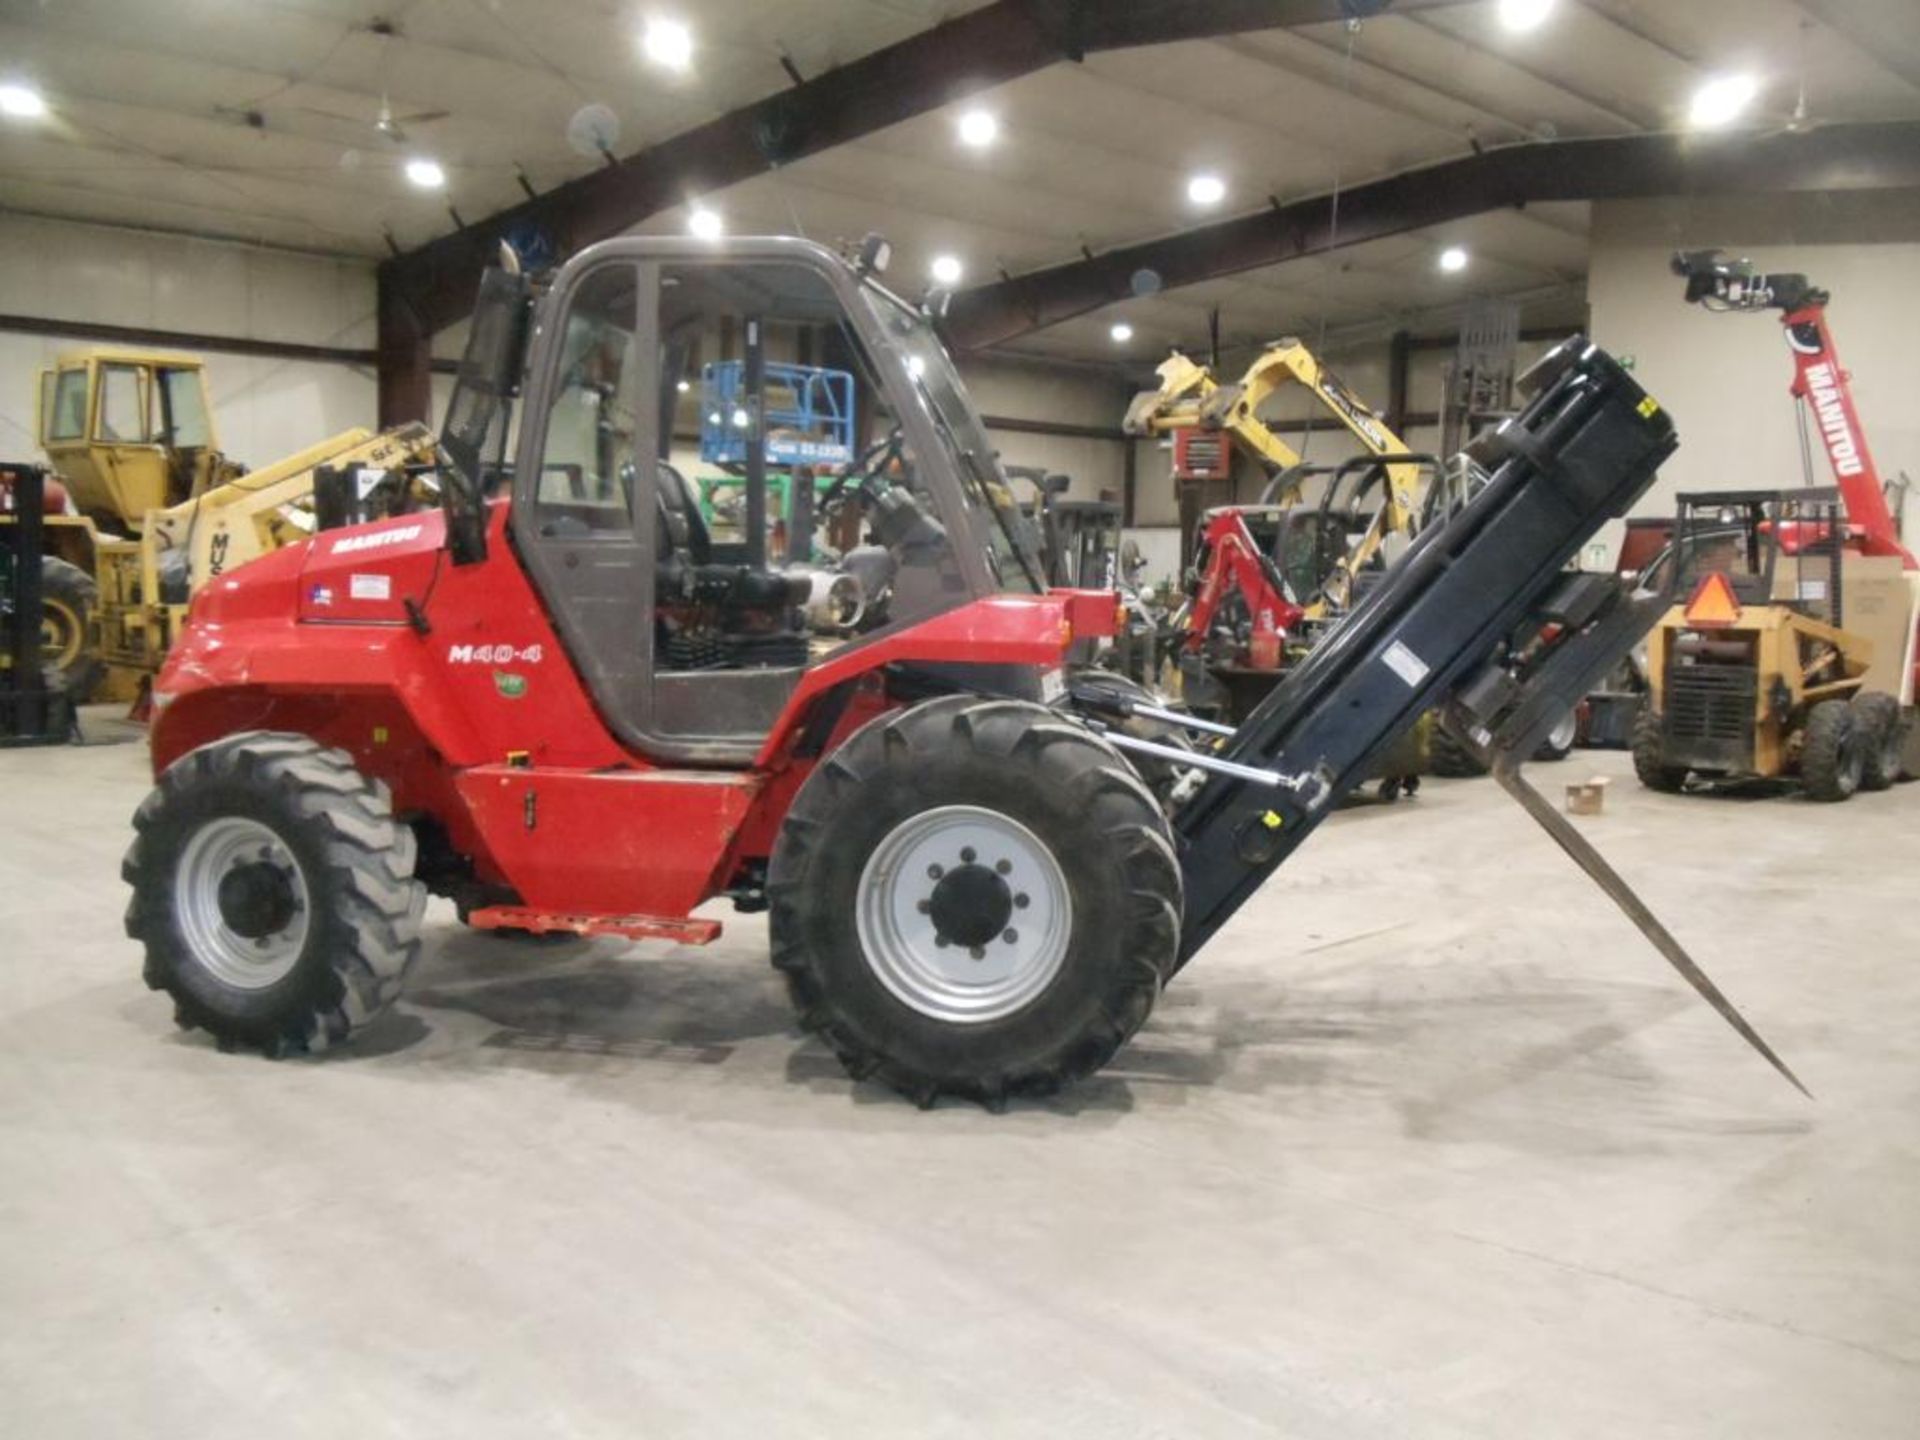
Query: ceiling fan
point(389, 126)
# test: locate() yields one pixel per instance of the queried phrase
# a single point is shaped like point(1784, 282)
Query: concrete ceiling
point(256, 120)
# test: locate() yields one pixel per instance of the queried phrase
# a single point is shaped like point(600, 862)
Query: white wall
point(1058, 395)
point(1724, 378)
point(263, 408)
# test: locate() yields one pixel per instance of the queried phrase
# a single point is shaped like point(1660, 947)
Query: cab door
point(583, 499)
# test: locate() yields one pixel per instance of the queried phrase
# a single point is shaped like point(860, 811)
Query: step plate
point(630, 927)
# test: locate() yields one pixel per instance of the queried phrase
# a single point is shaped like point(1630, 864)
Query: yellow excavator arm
point(1190, 397)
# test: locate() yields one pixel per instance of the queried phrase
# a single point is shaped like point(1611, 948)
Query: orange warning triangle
point(1714, 605)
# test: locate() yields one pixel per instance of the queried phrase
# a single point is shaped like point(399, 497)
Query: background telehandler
point(1793, 650)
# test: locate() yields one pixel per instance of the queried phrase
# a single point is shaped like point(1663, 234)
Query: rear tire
point(1883, 734)
point(1833, 752)
point(966, 833)
point(68, 597)
point(1650, 755)
point(1560, 740)
point(274, 893)
point(1449, 758)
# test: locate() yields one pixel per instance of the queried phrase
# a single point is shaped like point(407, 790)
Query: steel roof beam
point(982, 48)
point(1868, 156)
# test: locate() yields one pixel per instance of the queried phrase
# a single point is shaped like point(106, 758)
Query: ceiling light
point(22, 102)
point(946, 270)
point(1524, 14)
point(1206, 189)
point(740, 418)
point(1720, 100)
point(705, 224)
point(1121, 332)
point(667, 43)
point(979, 128)
point(426, 173)
point(1453, 259)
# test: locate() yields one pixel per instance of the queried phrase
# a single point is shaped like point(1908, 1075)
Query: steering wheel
point(867, 468)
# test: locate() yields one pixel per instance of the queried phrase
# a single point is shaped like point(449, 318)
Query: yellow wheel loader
point(151, 509)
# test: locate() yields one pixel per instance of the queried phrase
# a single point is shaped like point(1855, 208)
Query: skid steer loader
point(971, 892)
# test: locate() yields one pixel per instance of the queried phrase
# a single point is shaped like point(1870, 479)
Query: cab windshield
point(1002, 531)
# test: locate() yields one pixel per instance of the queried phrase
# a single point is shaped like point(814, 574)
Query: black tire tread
point(379, 905)
point(1831, 727)
point(1650, 754)
point(1883, 729)
point(66, 582)
point(1119, 807)
point(1448, 758)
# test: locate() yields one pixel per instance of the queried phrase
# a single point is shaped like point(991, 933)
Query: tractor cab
point(693, 646)
point(128, 431)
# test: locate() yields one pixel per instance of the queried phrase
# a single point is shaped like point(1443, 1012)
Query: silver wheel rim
point(901, 898)
point(1562, 736)
point(247, 956)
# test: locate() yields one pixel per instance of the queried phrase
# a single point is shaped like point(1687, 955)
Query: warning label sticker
point(1404, 663)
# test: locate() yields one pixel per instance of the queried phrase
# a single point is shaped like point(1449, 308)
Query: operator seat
point(683, 530)
point(752, 616)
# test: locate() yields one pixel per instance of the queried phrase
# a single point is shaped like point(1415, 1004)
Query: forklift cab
point(127, 431)
point(691, 656)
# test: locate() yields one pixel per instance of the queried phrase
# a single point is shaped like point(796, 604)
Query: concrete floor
point(1429, 1143)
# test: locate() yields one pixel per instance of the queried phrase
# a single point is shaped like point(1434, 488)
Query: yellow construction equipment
point(1191, 398)
point(158, 509)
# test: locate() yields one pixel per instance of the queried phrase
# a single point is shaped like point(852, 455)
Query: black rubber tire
point(1550, 749)
point(1078, 797)
point(1883, 734)
point(1650, 755)
point(357, 862)
point(1833, 752)
point(69, 596)
point(1159, 776)
point(1448, 758)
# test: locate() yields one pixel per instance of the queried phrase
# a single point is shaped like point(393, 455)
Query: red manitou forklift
point(569, 710)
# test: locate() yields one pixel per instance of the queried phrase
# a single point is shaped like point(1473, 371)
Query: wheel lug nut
point(934, 872)
point(966, 856)
point(1005, 867)
point(939, 942)
point(1010, 935)
point(924, 906)
point(978, 952)
point(1021, 901)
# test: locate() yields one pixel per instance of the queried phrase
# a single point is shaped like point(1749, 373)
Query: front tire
point(274, 893)
point(68, 596)
point(974, 898)
point(1650, 755)
point(1833, 752)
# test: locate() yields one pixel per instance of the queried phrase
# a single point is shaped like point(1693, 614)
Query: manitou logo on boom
point(1824, 390)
